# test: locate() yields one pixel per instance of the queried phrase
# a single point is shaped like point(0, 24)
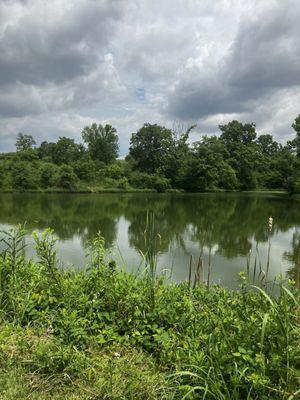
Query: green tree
point(236, 132)
point(66, 151)
point(46, 151)
point(102, 142)
point(24, 142)
point(295, 143)
point(207, 168)
point(239, 140)
point(3, 174)
point(267, 145)
point(24, 176)
point(149, 148)
point(48, 174)
point(177, 155)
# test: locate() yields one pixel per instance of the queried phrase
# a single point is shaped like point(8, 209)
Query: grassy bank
point(98, 189)
point(81, 190)
point(103, 333)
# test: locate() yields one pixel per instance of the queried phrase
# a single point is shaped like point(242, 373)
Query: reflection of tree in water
point(229, 221)
point(169, 220)
point(67, 215)
point(294, 257)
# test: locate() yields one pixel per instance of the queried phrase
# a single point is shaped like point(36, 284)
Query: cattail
point(270, 224)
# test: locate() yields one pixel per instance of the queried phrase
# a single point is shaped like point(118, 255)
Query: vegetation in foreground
point(103, 333)
point(159, 159)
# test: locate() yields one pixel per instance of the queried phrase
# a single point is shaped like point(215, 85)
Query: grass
point(102, 333)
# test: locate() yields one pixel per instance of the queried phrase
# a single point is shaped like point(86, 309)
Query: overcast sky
point(67, 63)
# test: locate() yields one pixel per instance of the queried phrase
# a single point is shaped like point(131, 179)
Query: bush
point(142, 180)
point(66, 178)
point(115, 171)
point(24, 176)
point(85, 170)
point(48, 175)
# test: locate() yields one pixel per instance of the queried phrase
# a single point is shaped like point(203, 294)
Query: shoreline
point(133, 190)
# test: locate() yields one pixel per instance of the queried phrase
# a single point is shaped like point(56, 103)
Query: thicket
point(103, 333)
point(159, 159)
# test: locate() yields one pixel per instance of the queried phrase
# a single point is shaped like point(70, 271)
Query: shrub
point(142, 180)
point(66, 178)
point(24, 176)
point(48, 174)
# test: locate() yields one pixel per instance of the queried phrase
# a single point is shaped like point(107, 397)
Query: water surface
point(227, 231)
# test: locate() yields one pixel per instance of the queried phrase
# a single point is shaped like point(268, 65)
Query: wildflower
point(117, 355)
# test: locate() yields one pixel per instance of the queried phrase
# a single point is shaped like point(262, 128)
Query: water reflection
point(293, 256)
point(228, 227)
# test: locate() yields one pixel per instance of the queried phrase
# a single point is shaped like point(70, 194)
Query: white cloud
point(66, 63)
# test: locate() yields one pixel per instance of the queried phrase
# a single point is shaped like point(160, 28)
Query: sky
point(67, 63)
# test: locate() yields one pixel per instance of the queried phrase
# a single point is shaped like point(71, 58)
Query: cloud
point(54, 41)
point(261, 63)
point(66, 63)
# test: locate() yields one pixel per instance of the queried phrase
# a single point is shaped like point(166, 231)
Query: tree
point(267, 145)
point(24, 142)
point(295, 143)
point(149, 148)
point(178, 154)
point(47, 150)
point(102, 142)
point(48, 174)
point(24, 176)
point(239, 140)
point(66, 151)
point(207, 168)
point(235, 133)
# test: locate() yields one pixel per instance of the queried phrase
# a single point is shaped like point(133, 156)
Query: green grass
point(103, 333)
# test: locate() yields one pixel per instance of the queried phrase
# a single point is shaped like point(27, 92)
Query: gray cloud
point(51, 43)
point(263, 59)
point(66, 63)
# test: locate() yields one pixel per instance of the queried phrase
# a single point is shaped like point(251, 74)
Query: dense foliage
point(159, 159)
point(102, 333)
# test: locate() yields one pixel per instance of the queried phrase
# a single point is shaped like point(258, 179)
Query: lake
point(228, 232)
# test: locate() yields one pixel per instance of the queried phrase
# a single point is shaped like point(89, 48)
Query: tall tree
point(239, 140)
point(178, 153)
point(236, 132)
point(24, 142)
point(267, 145)
point(150, 146)
point(102, 142)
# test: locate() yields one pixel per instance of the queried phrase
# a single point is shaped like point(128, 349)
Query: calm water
point(229, 229)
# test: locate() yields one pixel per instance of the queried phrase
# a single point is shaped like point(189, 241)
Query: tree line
point(159, 159)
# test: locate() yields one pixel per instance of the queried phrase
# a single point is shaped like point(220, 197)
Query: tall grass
point(103, 333)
